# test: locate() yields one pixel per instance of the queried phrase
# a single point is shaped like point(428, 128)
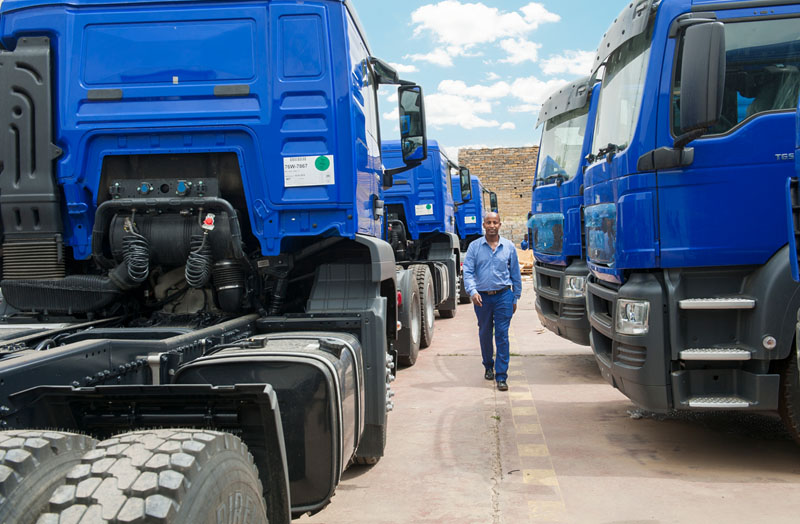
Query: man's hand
point(476, 299)
point(515, 308)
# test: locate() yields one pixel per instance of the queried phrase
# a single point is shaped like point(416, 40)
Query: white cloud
point(437, 57)
point(403, 68)
point(446, 109)
point(491, 92)
point(520, 50)
point(571, 62)
point(525, 108)
point(531, 90)
point(491, 76)
point(508, 125)
point(457, 27)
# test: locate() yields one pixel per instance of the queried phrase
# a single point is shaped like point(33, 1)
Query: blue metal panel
point(566, 199)
point(469, 216)
point(302, 99)
point(423, 191)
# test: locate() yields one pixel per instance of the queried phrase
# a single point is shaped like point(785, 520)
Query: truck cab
point(191, 202)
point(469, 221)
point(556, 223)
point(690, 300)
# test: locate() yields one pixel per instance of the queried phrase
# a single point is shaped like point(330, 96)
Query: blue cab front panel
point(281, 85)
point(424, 191)
point(711, 213)
point(566, 200)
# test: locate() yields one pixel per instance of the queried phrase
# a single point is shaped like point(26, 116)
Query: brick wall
point(508, 172)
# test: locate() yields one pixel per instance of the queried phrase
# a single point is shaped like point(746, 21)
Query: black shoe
point(489, 375)
point(502, 386)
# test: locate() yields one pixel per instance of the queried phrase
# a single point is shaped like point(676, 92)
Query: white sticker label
point(423, 209)
point(471, 220)
point(300, 171)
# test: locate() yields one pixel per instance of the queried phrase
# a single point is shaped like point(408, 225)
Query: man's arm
point(516, 276)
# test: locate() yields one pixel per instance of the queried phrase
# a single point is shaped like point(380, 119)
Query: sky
point(485, 66)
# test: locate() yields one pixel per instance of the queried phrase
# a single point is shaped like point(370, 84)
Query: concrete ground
point(560, 446)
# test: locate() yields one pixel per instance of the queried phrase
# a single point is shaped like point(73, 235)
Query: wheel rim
point(429, 306)
point(416, 323)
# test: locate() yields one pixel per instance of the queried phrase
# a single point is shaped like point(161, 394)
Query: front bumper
point(564, 316)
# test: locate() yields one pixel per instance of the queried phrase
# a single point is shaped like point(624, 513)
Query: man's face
point(492, 225)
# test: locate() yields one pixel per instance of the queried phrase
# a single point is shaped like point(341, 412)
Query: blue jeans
point(495, 317)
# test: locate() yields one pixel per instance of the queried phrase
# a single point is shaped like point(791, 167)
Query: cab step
point(718, 402)
point(717, 303)
point(715, 354)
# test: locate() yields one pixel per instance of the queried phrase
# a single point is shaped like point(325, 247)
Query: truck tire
point(378, 433)
point(789, 400)
point(427, 297)
point(411, 333)
point(463, 298)
point(33, 464)
point(178, 475)
point(448, 313)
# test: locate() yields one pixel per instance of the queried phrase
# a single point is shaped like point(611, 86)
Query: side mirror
point(413, 139)
point(702, 76)
point(493, 201)
point(466, 184)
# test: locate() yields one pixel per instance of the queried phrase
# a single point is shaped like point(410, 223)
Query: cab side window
point(762, 71)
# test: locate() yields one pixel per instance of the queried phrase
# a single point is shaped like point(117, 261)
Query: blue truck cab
point(420, 227)
point(691, 301)
point(469, 221)
point(556, 225)
point(192, 216)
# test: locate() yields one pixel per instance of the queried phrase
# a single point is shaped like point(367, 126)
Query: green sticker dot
point(322, 163)
point(429, 206)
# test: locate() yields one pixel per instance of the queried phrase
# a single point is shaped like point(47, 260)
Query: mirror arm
point(392, 172)
point(685, 138)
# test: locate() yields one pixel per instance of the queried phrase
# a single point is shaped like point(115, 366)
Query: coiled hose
point(198, 265)
point(135, 252)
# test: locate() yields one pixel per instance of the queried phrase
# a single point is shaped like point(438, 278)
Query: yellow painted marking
point(542, 477)
point(547, 510)
point(533, 450)
point(522, 395)
point(540, 510)
point(526, 411)
point(529, 429)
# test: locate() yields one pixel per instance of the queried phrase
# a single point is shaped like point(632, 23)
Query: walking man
point(494, 284)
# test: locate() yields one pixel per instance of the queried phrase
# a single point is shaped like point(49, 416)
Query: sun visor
point(572, 96)
point(630, 23)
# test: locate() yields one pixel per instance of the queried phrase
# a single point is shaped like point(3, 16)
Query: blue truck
point(556, 224)
point(195, 290)
point(420, 227)
point(691, 300)
point(469, 222)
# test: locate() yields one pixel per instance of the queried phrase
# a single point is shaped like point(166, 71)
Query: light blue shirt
point(488, 270)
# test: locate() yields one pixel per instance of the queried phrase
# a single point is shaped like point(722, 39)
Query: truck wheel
point(182, 476)
point(463, 298)
point(32, 465)
point(789, 401)
point(411, 334)
point(425, 283)
point(447, 313)
point(374, 432)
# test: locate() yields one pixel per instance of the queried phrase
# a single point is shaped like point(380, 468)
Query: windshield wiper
point(558, 177)
point(607, 152)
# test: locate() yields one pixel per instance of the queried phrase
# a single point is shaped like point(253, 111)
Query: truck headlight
point(633, 317)
point(574, 286)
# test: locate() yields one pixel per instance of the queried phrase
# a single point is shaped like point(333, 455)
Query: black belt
point(495, 291)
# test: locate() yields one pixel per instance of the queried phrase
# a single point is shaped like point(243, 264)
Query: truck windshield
point(762, 71)
point(621, 95)
point(562, 142)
